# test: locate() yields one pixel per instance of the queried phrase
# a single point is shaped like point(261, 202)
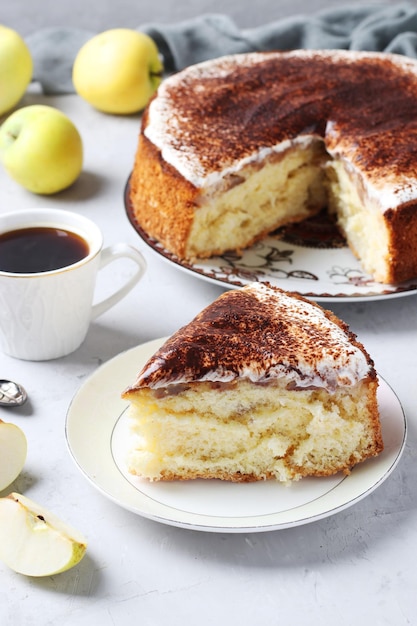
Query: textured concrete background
point(28, 16)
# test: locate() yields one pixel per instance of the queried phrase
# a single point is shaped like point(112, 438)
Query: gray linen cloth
point(379, 28)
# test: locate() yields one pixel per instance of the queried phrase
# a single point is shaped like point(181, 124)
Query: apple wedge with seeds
point(34, 541)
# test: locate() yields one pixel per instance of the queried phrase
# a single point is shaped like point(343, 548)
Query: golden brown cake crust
point(402, 226)
point(166, 216)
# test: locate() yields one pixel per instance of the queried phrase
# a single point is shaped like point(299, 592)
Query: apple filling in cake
point(248, 431)
point(288, 188)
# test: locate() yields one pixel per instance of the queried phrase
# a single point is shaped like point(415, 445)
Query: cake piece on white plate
point(262, 384)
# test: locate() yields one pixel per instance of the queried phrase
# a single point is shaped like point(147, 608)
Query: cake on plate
point(262, 384)
point(233, 148)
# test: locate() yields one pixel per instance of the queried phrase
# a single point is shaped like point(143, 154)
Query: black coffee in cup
point(40, 249)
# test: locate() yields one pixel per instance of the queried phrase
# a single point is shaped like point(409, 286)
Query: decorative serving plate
point(310, 258)
point(97, 434)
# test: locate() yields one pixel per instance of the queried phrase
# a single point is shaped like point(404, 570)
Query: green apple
point(41, 149)
point(16, 68)
point(34, 541)
point(13, 450)
point(117, 71)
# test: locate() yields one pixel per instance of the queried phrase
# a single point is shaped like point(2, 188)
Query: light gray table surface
point(354, 567)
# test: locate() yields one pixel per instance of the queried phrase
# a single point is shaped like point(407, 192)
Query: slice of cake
point(233, 148)
point(261, 384)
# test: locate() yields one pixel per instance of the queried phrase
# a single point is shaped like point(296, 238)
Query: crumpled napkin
point(379, 28)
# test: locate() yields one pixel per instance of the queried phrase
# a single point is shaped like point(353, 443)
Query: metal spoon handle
point(11, 394)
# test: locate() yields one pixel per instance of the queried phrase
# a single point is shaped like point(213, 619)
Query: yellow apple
point(13, 450)
point(15, 68)
point(34, 541)
point(41, 149)
point(117, 71)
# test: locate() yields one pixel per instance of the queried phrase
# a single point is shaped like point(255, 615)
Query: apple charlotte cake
point(262, 384)
point(233, 148)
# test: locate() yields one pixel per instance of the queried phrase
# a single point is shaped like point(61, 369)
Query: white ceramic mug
point(46, 315)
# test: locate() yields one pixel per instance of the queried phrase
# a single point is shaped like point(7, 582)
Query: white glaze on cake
point(260, 334)
point(387, 187)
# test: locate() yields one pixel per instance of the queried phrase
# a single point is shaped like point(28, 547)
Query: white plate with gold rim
point(97, 437)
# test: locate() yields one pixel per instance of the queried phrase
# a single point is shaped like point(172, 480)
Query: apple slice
point(34, 541)
point(13, 450)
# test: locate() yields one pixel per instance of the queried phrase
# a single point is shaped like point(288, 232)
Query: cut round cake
point(262, 384)
point(233, 148)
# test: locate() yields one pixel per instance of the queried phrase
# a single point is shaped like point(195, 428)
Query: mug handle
point(108, 255)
